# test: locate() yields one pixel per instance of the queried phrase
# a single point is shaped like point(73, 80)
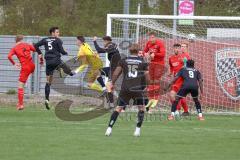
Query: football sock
point(184, 104)
point(47, 91)
point(113, 119)
point(178, 105)
point(20, 96)
point(110, 97)
point(140, 118)
point(149, 103)
point(96, 87)
point(198, 105)
point(174, 105)
point(100, 81)
point(81, 68)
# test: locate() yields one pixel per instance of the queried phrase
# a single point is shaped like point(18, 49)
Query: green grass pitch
point(37, 134)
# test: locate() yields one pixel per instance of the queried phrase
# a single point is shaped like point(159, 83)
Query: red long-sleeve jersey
point(176, 63)
point(158, 48)
point(23, 53)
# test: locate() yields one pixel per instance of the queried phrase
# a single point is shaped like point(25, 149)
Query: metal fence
point(36, 82)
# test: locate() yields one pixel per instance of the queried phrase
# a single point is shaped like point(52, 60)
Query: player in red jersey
point(23, 52)
point(176, 63)
point(185, 53)
point(155, 52)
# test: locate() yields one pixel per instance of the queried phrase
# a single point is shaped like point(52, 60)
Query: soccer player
point(176, 63)
point(53, 51)
point(155, 51)
point(23, 52)
point(134, 71)
point(185, 52)
point(113, 56)
point(112, 53)
point(192, 82)
point(89, 58)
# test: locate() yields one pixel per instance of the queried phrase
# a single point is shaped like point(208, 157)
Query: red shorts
point(156, 70)
point(177, 85)
point(26, 70)
point(153, 91)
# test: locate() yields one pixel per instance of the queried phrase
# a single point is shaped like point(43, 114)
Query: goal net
point(213, 42)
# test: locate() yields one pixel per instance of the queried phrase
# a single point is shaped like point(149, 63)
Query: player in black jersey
point(134, 71)
point(192, 82)
point(53, 51)
point(113, 56)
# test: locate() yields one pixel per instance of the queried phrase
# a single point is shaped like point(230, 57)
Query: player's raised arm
point(97, 47)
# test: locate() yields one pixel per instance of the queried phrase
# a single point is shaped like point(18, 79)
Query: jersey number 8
point(191, 74)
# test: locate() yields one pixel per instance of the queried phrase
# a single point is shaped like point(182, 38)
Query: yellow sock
point(154, 103)
point(96, 87)
point(81, 68)
point(149, 103)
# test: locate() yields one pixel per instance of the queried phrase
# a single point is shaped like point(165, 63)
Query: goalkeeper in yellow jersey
point(90, 59)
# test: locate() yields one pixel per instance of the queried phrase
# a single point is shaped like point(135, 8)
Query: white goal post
point(214, 44)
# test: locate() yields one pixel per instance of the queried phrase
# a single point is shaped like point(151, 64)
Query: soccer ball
point(191, 37)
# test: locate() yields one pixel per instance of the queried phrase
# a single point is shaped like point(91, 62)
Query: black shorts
point(137, 97)
point(105, 71)
point(183, 92)
point(51, 65)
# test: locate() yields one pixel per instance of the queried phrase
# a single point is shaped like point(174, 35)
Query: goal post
point(214, 44)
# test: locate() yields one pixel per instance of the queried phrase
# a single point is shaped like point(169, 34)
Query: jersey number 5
point(50, 45)
point(132, 71)
point(191, 74)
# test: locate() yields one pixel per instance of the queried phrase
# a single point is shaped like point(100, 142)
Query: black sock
point(100, 81)
point(113, 119)
point(110, 98)
point(174, 105)
point(140, 118)
point(47, 91)
point(198, 105)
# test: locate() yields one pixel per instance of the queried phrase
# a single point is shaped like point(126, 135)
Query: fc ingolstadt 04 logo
point(228, 71)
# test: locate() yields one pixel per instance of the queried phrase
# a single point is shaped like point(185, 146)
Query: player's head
point(54, 31)
point(134, 49)
point(19, 38)
point(177, 48)
point(152, 37)
point(80, 40)
point(106, 40)
point(190, 63)
point(184, 47)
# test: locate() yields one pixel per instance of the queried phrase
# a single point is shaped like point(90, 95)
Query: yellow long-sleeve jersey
point(87, 55)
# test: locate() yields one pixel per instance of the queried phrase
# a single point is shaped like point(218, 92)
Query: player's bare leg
point(113, 119)
point(140, 121)
point(47, 91)
point(20, 105)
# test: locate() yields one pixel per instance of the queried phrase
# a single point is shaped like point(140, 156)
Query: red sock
point(20, 96)
point(179, 106)
point(184, 104)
